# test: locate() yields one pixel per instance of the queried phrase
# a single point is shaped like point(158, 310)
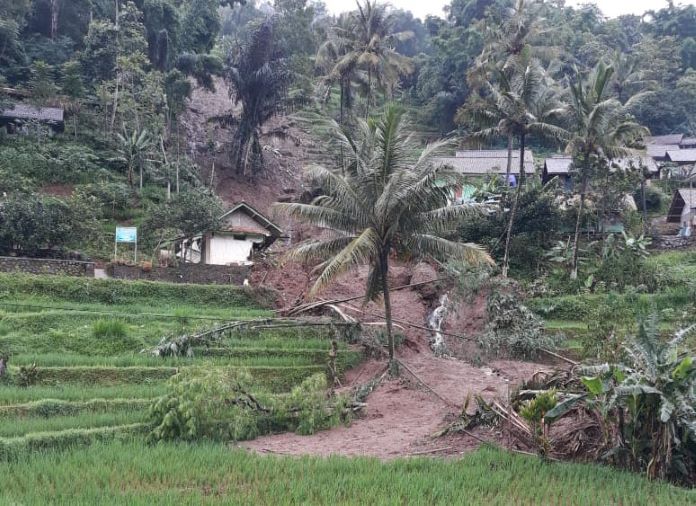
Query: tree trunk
point(576, 237)
point(646, 228)
point(369, 93)
point(384, 272)
point(513, 211)
point(342, 100)
point(203, 249)
point(509, 160)
point(55, 11)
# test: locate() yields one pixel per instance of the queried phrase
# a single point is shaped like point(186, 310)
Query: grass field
point(214, 474)
point(79, 369)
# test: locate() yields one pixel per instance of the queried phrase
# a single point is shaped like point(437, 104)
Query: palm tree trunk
point(643, 199)
point(576, 237)
point(513, 211)
point(509, 160)
point(342, 100)
point(384, 272)
point(55, 11)
point(369, 93)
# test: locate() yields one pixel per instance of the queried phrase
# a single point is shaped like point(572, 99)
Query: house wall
point(242, 221)
point(224, 250)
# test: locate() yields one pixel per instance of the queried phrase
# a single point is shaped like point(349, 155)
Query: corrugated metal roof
point(668, 140)
point(485, 162)
point(682, 155)
point(561, 164)
point(558, 164)
point(689, 196)
point(493, 153)
point(658, 150)
point(24, 111)
point(688, 142)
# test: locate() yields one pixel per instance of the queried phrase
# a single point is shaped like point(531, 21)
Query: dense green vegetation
point(210, 474)
point(82, 359)
point(81, 364)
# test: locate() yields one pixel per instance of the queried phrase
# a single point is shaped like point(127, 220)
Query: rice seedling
point(109, 329)
point(17, 395)
point(23, 426)
point(212, 474)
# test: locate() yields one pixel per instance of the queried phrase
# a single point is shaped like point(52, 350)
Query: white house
point(243, 230)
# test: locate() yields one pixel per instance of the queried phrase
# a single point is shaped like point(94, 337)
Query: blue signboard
point(126, 234)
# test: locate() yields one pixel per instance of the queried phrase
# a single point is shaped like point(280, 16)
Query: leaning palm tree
point(603, 132)
point(387, 200)
point(521, 105)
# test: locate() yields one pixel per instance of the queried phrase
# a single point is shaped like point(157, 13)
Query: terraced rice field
point(81, 367)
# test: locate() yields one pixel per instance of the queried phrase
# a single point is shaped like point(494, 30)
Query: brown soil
point(58, 190)
point(401, 414)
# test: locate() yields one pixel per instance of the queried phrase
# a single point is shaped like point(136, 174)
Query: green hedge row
point(110, 291)
point(277, 379)
point(346, 358)
point(57, 407)
point(17, 447)
point(582, 307)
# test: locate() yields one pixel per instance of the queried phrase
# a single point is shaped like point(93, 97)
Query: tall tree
point(388, 200)
point(367, 44)
point(603, 130)
point(258, 77)
point(521, 106)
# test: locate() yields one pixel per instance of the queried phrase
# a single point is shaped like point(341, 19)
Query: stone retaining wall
point(47, 266)
point(185, 273)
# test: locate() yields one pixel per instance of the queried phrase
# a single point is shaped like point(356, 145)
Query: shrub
point(512, 327)
point(655, 198)
point(110, 291)
point(29, 223)
point(647, 404)
point(109, 329)
point(221, 405)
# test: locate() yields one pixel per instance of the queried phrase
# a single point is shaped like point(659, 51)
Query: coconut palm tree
point(521, 105)
point(387, 200)
point(603, 131)
point(332, 51)
point(365, 45)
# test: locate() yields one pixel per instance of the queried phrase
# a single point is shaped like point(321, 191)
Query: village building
point(560, 167)
point(477, 163)
point(243, 231)
point(683, 207)
point(16, 118)
point(682, 157)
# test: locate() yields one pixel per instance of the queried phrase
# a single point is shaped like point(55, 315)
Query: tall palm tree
point(387, 200)
point(332, 51)
point(519, 106)
point(259, 78)
point(603, 131)
point(507, 45)
point(366, 46)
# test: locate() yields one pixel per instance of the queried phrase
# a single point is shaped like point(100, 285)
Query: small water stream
point(435, 322)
